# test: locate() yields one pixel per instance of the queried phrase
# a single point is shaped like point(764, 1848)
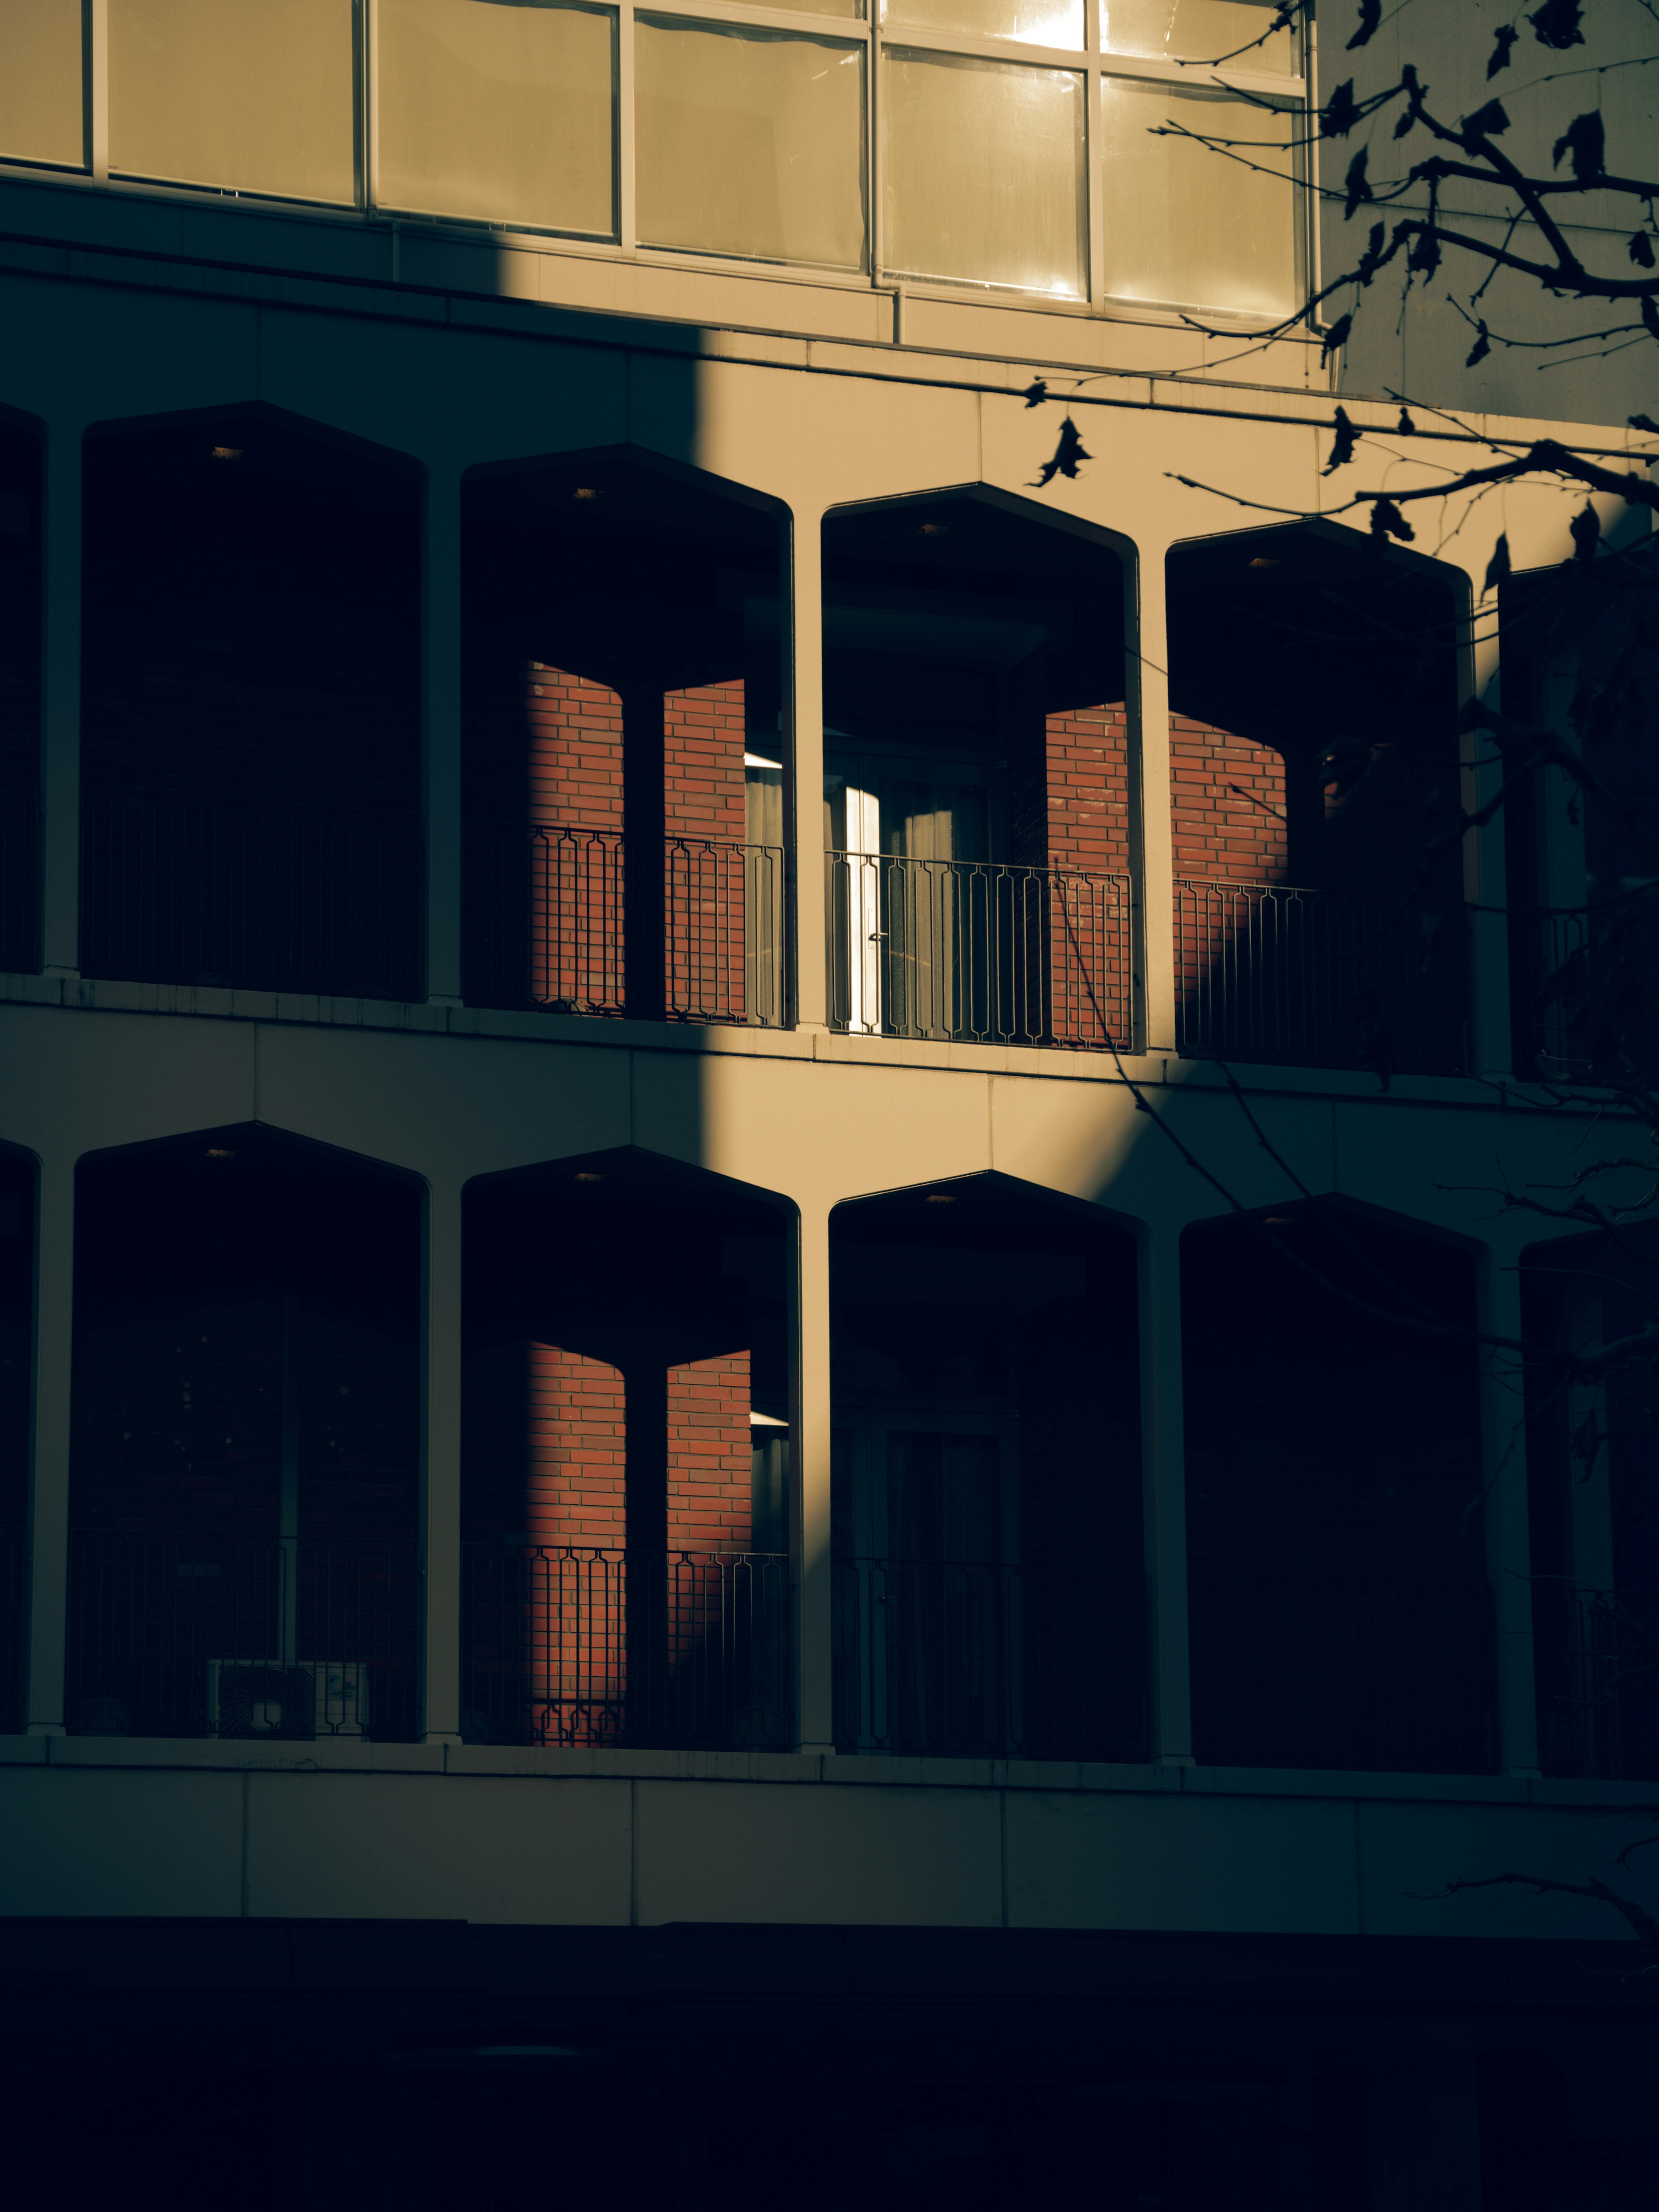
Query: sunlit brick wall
point(1227, 798)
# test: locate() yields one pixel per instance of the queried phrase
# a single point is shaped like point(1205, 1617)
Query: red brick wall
point(1227, 798)
point(573, 770)
point(709, 1496)
point(1088, 790)
point(703, 747)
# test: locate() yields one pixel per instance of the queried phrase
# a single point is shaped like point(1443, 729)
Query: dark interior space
point(1337, 1590)
point(21, 611)
point(1593, 1479)
point(1580, 658)
point(245, 1475)
point(973, 745)
point(250, 755)
point(989, 1560)
point(625, 1459)
point(17, 1379)
point(1341, 655)
point(599, 592)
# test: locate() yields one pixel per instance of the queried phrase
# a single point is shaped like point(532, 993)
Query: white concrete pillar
point(440, 777)
point(60, 671)
point(440, 1625)
point(1164, 1496)
point(1509, 1545)
point(49, 1458)
point(1150, 841)
point(809, 1519)
point(803, 695)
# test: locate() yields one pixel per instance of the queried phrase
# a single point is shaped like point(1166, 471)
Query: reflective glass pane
point(983, 173)
point(41, 80)
point(749, 143)
point(501, 110)
point(1033, 22)
point(252, 95)
point(853, 10)
point(1200, 31)
point(1189, 227)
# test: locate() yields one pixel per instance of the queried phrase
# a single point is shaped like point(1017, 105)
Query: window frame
point(869, 26)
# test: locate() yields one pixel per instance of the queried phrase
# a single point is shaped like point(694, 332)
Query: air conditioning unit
point(253, 1697)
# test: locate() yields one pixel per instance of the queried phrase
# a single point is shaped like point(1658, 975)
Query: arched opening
point(624, 754)
point(1581, 661)
point(986, 1470)
point(625, 1469)
point(245, 1478)
point(1592, 1480)
point(1313, 730)
point(17, 1226)
point(976, 799)
point(21, 611)
point(1338, 1605)
point(251, 731)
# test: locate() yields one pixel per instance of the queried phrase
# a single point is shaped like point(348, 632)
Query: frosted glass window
point(749, 143)
point(252, 95)
point(1033, 22)
point(983, 173)
point(501, 110)
point(1192, 228)
point(40, 81)
point(1200, 31)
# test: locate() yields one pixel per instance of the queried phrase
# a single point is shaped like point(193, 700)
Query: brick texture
point(1227, 800)
point(1088, 790)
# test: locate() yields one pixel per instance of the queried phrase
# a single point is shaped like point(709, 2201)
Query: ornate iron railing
point(582, 1644)
point(327, 901)
point(1598, 1668)
point(547, 924)
point(1380, 1675)
point(1582, 990)
point(978, 951)
point(20, 877)
point(981, 1660)
point(223, 1636)
point(1265, 972)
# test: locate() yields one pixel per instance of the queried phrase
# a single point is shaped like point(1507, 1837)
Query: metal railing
point(581, 1644)
point(327, 901)
point(978, 951)
point(1598, 1667)
point(1581, 984)
point(20, 878)
point(547, 917)
point(1265, 972)
point(14, 1627)
point(971, 1659)
point(1314, 1672)
point(225, 1636)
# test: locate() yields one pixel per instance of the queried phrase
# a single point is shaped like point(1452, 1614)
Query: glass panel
point(853, 10)
point(1193, 227)
point(1230, 32)
point(1033, 22)
point(1200, 31)
point(40, 81)
point(749, 142)
point(984, 172)
point(252, 95)
point(501, 110)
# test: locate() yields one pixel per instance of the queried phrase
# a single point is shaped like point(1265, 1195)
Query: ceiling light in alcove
point(220, 1152)
point(939, 1197)
point(228, 452)
point(933, 530)
point(1260, 561)
point(583, 1176)
point(585, 491)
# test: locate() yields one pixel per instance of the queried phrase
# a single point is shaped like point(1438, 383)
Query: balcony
point(13, 1623)
point(1265, 972)
point(19, 815)
point(594, 1646)
point(327, 901)
point(547, 924)
point(203, 1636)
point(978, 951)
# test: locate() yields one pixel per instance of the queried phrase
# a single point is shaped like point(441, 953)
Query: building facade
point(752, 1161)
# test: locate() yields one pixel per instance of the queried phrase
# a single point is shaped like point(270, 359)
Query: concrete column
point(1509, 1549)
point(441, 1466)
point(803, 715)
point(1150, 842)
point(49, 1464)
point(1485, 879)
point(60, 754)
point(441, 759)
point(1164, 1496)
point(809, 1518)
